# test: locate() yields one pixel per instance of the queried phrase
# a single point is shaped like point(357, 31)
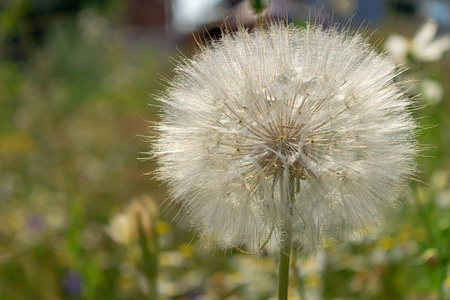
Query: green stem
point(443, 275)
point(286, 242)
point(149, 264)
point(285, 255)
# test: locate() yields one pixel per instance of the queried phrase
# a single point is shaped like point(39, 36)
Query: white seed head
point(311, 108)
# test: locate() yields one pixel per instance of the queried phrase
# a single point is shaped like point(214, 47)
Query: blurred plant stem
point(428, 213)
point(299, 279)
point(287, 196)
point(149, 264)
point(442, 293)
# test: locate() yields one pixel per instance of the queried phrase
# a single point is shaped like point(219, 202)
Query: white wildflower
point(432, 91)
point(423, 46)
point(310, 112)
point(124, 227)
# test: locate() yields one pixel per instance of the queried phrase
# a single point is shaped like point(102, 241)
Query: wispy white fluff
point(258, 114)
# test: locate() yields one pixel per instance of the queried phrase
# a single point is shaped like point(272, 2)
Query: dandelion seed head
point(256, 112)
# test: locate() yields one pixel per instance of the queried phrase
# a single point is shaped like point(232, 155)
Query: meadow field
point(81, 218)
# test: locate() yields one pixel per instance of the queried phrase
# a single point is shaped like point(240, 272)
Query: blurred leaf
point(259, 5)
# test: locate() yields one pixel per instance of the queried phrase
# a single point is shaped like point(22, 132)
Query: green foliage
point(259, 5)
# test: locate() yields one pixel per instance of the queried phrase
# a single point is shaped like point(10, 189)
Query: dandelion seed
point(285, 130)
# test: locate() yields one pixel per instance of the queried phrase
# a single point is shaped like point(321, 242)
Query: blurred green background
point(79, 219)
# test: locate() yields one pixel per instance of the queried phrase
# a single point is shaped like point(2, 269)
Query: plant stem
point(149, 264)
point(285, 255)
point(287, 197)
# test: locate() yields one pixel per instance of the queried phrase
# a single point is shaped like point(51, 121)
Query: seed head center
point(283, 152)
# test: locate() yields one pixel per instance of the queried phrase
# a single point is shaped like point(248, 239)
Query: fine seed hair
point(310, 111)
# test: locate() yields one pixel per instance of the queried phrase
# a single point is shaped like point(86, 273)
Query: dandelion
point(285, 134)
